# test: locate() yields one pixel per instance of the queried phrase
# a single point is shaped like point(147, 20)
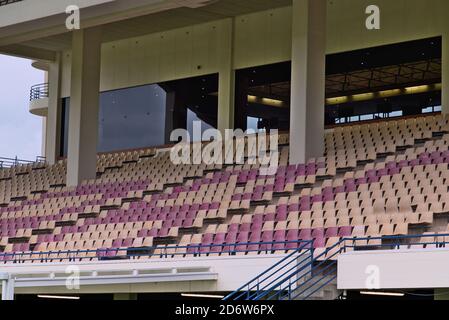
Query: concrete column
point(7, 287)
point(226, 80)
point(84, 105)
point(4, 289)
point(308, 80)
point(44, 136)
point(53, 121)
point(445, 72)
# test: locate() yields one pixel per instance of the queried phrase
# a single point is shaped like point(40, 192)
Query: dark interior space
point(396, 80)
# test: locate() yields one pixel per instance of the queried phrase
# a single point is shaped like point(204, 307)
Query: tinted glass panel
point(132, 118)
point(129, 118)
point(144, 116)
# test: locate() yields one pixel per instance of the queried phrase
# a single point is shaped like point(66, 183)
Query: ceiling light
point(58, 297)
point(384, 94)
point(195, 295)
point(379, 293)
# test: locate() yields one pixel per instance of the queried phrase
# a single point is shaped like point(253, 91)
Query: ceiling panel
point(166, 20)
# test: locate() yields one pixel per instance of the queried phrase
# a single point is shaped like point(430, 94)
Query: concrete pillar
point(7, 287)
point(445, 73)
point(44, 136)
point(308, 80)
point(125, 296)
point(226, 80)
point(84, 105)
point(53, 121)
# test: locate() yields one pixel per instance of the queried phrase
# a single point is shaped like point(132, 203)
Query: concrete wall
point(401, 20)
point(259, 38)
point(175, 54)
point(232, 272)
point(405, 269)
point(27, 10)
point(265, 37)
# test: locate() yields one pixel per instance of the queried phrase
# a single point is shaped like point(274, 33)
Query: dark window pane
point(129, 118)
point(132, 118)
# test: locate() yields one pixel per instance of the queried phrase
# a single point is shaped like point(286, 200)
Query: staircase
point(304, 274)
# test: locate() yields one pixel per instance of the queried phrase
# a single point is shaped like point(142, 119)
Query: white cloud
point(20, 131)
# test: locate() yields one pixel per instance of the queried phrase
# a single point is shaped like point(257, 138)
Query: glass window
point(132, 118)
point(396, 113)
point(144, 116)
point(192, 117)
point(427, 110)
point(366, 117)
point(252, 123)
point(129, 118)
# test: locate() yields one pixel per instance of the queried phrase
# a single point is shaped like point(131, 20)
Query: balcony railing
point(39, 91)
point(13, 162)
point(5, 2)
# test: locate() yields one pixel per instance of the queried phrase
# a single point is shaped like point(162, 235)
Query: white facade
point(201, 274)
point(394, 269)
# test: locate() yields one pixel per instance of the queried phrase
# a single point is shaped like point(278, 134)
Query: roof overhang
point(120, 19)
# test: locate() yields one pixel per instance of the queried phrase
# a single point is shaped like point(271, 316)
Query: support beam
point(84, 106)
point(22, 51)
point(44, 136)
point(308, 80)
point(226, 80)
point(53, 120)
point(445, 72)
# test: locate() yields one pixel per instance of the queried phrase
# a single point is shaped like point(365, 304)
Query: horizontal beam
point(91, 16)
point(27, 52)
point(119, 279)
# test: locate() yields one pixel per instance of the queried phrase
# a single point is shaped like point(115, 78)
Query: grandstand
point(357, 120)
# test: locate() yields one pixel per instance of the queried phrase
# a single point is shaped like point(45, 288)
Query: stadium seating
point(377, 179)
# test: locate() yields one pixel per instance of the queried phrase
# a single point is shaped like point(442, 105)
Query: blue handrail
point(297, 253)
point(167, 251)
point(316, 271)
point(326, 265)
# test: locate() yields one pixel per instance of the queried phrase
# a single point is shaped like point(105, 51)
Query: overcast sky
point(20, 131)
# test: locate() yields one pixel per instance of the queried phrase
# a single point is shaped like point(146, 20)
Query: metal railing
point(6, 2)
point(12, 162)
point(298, 275)
point(39, 91)
point(169, 251)
point(302, 280)
point(302, 256)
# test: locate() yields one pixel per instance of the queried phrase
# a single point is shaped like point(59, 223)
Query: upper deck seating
point(141, 199)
